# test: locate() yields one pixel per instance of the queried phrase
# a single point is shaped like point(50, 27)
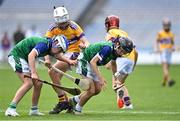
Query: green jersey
point(104, 50)
point(23, 48)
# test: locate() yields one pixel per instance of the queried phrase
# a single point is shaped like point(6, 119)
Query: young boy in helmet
point(165, 45)
point(64, 26)
point(125, 65)
point(98, 54)
point(22, 60)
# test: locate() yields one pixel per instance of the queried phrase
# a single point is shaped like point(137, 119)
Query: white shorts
point(19, 64)
point(124, 65)
point(166, 55)
point(84, 68)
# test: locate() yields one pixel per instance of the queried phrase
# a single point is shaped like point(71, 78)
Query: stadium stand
point(140, 18)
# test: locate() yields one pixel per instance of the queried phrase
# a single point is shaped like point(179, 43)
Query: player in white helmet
point(77, 40)
point(61, 17)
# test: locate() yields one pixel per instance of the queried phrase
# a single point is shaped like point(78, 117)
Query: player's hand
point(82, 45)
point(73, 62)
point(34, 76)
point(103, 83)
point(47, 63)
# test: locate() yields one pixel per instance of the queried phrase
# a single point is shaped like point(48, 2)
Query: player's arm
point(40, 48)
point(99, 58)
point(156, 48)
point(65, 59)
point(135, 58)
point(80, 34)
point(47, 61)
point(49, 34)
point(94, 66)
point(114, 66)
point(114, 69)
point(31, 59)
point(118, 78)
point(172, 42)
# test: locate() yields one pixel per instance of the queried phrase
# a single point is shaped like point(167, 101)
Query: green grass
point(151, 101)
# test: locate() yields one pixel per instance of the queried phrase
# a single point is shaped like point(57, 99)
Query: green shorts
point(18, 64)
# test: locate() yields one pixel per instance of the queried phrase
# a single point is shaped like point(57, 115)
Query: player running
point(95, 55)
point(64, 26)
point(125, 65)
point(165, 45)
point(22, 60)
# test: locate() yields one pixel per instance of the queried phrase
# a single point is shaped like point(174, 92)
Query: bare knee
point(98, 88)
point(91, 90)
point(38, 85)
point(97, 91)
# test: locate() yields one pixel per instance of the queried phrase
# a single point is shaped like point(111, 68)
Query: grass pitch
point(151, 100)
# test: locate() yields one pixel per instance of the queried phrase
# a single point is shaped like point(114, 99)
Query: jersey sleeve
point(158, 36)
point(78, 30)
point(104, 52)
point(172, 36)
point(50, 32)
point(108, 37)
point(41, 48)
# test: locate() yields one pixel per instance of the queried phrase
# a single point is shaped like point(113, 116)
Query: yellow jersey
point(165, 40)
point(73, 33)
point(113, 33)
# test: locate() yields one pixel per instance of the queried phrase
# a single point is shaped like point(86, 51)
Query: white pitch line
point(120, 112)
point(134, 112)
point(91, 120)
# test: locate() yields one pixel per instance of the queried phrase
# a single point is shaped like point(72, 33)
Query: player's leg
point(84, 97)
point(62, 97)
point(25, 87)
point(124, 68)
point(123, 98)
point(81, 100)
point(166, 60)
point(35, 98)
point(165, 73)
point(63, 103)
point(84, 69)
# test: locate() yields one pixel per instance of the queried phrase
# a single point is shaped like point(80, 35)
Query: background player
point(125, 65)
point(22, 60)
point(64, 26)
point(165, 45)
point(95, 55)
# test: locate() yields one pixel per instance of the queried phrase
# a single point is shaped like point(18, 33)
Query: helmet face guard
point(166, 24)
point(61, 17)
point(124, 44)
point(60, 42)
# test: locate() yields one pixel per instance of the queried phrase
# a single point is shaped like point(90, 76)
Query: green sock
point(12, 105)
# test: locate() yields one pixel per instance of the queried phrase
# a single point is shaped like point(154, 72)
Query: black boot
point(60, 107)
point(171, 83)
